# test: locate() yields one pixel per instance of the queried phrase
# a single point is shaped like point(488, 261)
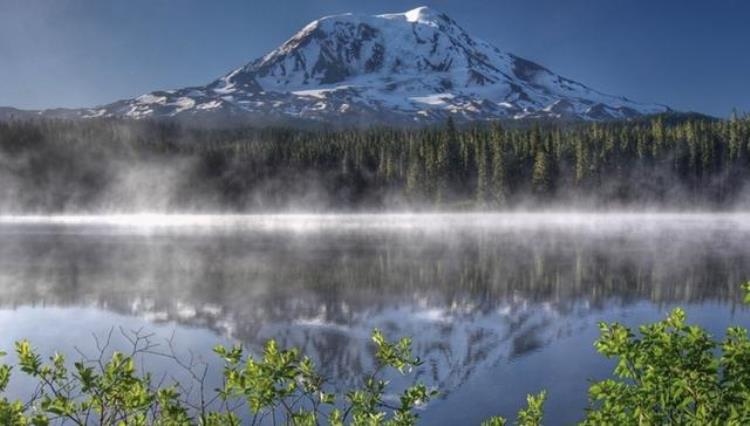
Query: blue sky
point(689, 54)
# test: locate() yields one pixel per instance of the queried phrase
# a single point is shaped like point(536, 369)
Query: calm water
point(498, 305)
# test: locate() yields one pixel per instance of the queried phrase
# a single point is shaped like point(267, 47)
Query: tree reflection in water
point(471, 297)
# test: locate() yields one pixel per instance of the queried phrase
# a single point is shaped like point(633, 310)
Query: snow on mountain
point(414, 67)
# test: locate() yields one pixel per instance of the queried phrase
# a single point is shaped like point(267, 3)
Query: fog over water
point(498, 304)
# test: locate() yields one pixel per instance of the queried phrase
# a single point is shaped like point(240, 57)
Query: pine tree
point(498, 166)
point(482, 166)
point(414, 175)
point(540, 178)
point(448, 166)
point(658, 136)
point(735, 141)
point(582, 160)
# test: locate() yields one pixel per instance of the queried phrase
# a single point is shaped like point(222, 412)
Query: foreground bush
point(280, 387)
point(668, 373)
point(673, 373)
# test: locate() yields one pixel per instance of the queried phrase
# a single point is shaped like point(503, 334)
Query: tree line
point(694, 161)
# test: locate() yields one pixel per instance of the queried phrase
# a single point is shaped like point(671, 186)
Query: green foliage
point(671, 374)
point(530, 416)
point(114, 393)
point(11, 413)
point(285, 381)
point(279, 384)
point(495, 421)
point(533, 413)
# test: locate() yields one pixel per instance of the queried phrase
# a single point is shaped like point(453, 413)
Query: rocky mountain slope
point(414, 67)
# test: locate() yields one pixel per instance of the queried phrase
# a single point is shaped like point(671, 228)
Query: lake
point(498, 305)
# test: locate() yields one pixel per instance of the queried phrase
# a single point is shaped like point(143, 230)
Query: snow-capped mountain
point(414, 67)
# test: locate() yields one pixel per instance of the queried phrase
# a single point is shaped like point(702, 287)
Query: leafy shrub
point(674, 373)
point(280, 385)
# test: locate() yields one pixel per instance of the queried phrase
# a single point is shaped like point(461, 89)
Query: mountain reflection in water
point(478, 293)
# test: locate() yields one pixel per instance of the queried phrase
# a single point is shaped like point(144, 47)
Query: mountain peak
point(422, 14)
point(417, 66)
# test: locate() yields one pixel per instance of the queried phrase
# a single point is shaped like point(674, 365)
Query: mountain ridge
point(415, 67)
